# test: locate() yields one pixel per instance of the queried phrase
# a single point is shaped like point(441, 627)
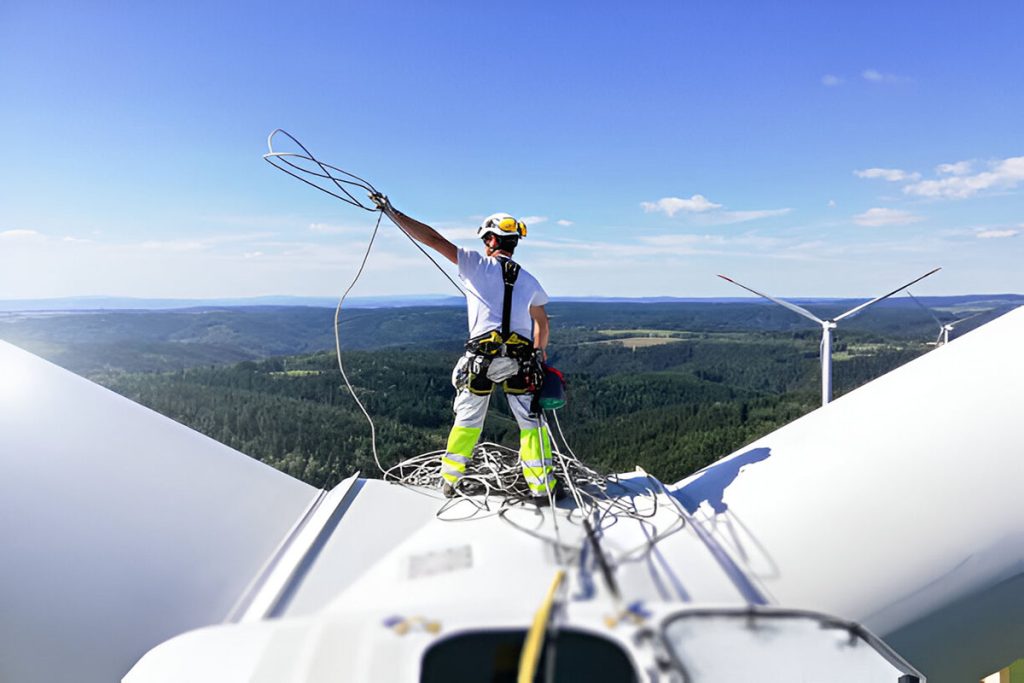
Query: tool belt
point(500, 355)
point(494, 344)
point(490, 360)
point(474, 372)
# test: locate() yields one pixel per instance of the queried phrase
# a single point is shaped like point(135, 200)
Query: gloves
point(380, 200)
point(536, 371)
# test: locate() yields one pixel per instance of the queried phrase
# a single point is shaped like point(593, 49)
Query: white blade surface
point(963, 320)
point(854, 311)
point(120, 527)
point(793, 307)
point(897, 506)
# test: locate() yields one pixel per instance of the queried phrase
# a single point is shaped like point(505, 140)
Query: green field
point(639, 342)
point(679, 334)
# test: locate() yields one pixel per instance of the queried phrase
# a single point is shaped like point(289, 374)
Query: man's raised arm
point(421, 232)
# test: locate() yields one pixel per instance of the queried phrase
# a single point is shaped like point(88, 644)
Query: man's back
point(483, 278)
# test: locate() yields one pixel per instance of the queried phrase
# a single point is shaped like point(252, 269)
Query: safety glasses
point(510, 226)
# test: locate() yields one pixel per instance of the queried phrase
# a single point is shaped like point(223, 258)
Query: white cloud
point(564, 223)
point(461, 234)
point(174, 245)
point(745, 240)
point(831, 80)
point(533, 220)
point(673, 240)
point(1003, 174)
point(220, 265)
point(878, 217)
point(19, 234)
point(644, 247)
point(893, 175)
point(996, 234)
point(330, 229)
point(255, 221)
point(730, 217)
point(831, 204)
point(875, 76)
point(958, 168)
point(670, 206)
point(209, 243)
point(706, 212)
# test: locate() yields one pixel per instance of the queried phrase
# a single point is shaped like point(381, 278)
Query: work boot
point(557, 494)
point(447, 489)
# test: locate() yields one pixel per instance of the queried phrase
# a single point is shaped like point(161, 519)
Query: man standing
point(508, 332)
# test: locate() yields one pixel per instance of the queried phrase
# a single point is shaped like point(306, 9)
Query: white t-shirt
point(486, 294)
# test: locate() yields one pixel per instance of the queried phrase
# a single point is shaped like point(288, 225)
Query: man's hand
point(380, 200)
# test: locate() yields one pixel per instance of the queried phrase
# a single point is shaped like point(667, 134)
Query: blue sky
point(811, 149)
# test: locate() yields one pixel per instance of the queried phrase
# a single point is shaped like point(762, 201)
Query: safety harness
point(503, 341)
point(501, 354)
point(509, 273)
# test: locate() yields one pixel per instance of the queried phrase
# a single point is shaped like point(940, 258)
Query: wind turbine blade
point(925, 309)
point(858, 309)
point(962, 320)
point(793, 307)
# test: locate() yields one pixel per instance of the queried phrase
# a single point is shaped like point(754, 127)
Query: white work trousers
point(534, 441)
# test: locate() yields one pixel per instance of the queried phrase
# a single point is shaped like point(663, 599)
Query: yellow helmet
point(502, 225)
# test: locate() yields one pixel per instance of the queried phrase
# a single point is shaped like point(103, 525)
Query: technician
point(508, 334)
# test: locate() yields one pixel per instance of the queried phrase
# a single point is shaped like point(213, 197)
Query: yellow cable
point(530, 656)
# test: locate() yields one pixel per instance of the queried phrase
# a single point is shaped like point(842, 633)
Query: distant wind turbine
point(827, 326)
point(944, 328)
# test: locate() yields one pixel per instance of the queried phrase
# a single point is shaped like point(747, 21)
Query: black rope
point(602, 561)
point(431, 258)
point(282, 160)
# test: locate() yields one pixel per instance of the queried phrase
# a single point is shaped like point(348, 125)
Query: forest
point(670, 387)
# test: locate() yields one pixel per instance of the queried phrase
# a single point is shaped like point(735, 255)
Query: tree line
point(671, 409)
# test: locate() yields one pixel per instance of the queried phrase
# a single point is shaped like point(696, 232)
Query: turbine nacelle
point(944, 328)
point(828, 325)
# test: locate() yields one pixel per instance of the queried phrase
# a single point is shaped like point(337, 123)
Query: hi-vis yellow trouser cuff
point(461, 441)
point(535, 454)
